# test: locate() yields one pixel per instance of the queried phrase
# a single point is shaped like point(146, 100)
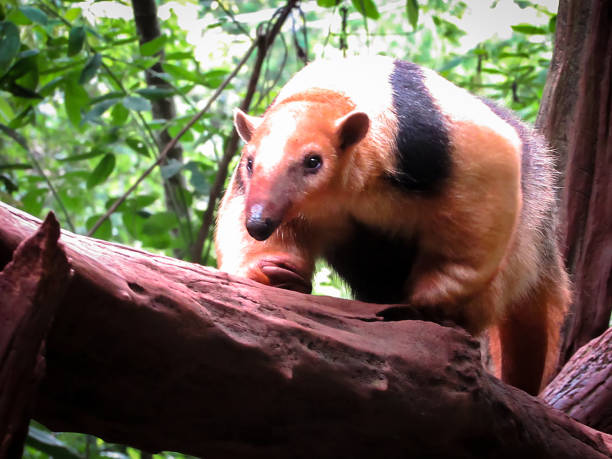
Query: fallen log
point(162, 354)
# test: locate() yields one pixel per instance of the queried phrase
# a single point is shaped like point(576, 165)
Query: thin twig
point(264, 42)
point(170, 145)
point(24, 144)
point(233, 18)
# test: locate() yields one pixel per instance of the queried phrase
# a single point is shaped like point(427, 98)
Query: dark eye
point(249, 166)
point(312, 163)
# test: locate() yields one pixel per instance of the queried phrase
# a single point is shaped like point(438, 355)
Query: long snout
point(260, 222)
point(265, 213)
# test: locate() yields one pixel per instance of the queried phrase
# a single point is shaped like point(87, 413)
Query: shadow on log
point(165, 355)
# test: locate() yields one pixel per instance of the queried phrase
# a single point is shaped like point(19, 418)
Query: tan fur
point(479, 254)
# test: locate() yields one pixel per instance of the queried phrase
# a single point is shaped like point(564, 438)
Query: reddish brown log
point(577, 118)
point(162, 354)
point(31, 287)
point(558, 104)
point(583, 389)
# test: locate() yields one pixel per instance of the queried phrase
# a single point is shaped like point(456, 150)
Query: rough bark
point(31, 287)
point(583, 389)
point(576, 117)
point(558, 104)
point(248, 371)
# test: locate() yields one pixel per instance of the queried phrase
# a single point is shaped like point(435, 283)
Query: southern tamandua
point(415, 192)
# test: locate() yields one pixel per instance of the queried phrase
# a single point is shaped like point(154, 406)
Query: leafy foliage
point(76, 111)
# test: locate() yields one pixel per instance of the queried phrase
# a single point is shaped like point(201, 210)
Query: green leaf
point(76, 39)
point(454, 62)
point(160, 223)
point(552, 24)
point(6, 111)
point(145, 62)
point(171, 168)
point(102, 170)
point(177, 126)
point(179, 55)
point(28, 53)
point(47, 443)
point(367, 8)
point(181, 73)
point(72, 14)
point(214, 78)
point(412, 10)
point(448, 29)
point(9, 44)
point(136, 103)
point(119, 115)
point(92, 154)
point(328, 3)
point(16, 136)
point(152, 47)
point(90, 68)
point(529, 29)
point(19, 91)
point(155, 93)
point(140, 202)
point(15, 166)
point(522, 4)
point(134, 222)
point(104, 231)
point(33, 200)
point(98, 110)
point(138, 146)
point(75, 98)
point(106, 96)
point(34, 14)
point(198, 180)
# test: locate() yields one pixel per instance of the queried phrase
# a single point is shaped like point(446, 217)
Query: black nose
point(260, 228)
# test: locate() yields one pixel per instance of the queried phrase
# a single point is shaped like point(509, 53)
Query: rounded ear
point(352, 128)
point(245, 124)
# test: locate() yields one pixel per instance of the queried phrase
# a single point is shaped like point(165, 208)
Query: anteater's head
point(293, 157)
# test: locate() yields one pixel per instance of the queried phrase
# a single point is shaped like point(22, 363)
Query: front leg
point(283, 260)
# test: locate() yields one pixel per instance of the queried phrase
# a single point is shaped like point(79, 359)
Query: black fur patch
point(374, 265)
point(422, 138)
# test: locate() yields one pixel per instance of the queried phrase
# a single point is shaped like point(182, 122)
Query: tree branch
point(147, 25)
point(249, 371)
point(583, 389)
point(172, 143)
point(265, 38)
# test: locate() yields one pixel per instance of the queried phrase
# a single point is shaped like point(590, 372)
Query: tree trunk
point(163, 108)
point(248, 371)
point(576, 117)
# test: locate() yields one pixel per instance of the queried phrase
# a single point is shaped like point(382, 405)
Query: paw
point(280, 272)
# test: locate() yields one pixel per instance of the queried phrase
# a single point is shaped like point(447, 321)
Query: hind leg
point(525, 344)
